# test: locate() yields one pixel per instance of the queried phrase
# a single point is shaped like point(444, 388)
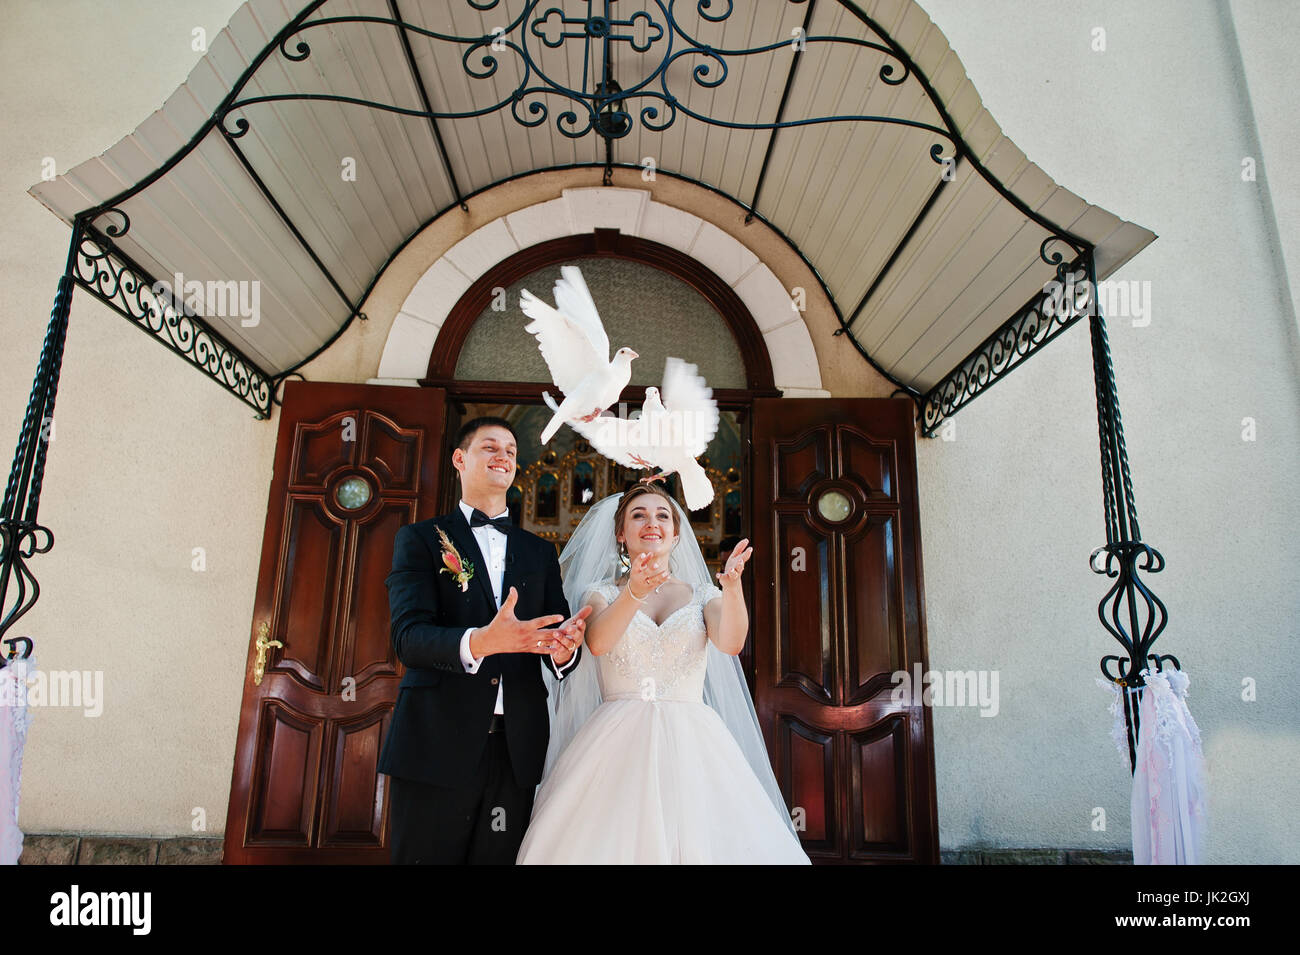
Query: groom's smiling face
point(489, 462)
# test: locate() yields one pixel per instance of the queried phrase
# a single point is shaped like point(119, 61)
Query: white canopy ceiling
point(243, 174)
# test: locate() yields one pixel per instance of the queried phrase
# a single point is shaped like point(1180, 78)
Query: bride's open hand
point(646, 574)
point(729, 576)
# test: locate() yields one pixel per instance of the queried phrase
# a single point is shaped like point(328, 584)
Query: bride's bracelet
point(639, 600)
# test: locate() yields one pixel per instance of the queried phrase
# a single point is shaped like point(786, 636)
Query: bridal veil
point(591, 557)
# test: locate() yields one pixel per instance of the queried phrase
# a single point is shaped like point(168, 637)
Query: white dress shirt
point(492, 543)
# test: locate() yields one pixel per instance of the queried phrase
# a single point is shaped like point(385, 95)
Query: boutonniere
point(461, 570)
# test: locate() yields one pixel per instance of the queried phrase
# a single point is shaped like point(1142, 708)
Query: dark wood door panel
point(805, 653)
point(284, 784)
point(870, 463)
point(874, 635)
point(353, 812)
point(366, 649)
point(393, 452)
point(806, 772)
point(322, 446)
point(307, 591)
point(798, 461)
point(879, 820)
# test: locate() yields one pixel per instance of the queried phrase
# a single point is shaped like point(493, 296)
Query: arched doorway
point(658, 300)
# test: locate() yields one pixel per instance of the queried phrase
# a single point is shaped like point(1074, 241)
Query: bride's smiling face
point(648, 526)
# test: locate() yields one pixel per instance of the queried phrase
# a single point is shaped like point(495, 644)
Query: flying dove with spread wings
point(671, 433)
point(572, 339)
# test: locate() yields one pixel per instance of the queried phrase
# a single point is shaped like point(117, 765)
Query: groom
point(467, 742)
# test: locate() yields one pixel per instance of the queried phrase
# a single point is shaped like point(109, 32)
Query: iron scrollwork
point(1130, 598)
point(1061, 303)
point(107, 273)
point(1054, 256)
point(19, 541)
point(601, 104)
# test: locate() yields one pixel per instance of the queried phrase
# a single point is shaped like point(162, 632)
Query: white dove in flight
point(572, 339)
point(670, 434)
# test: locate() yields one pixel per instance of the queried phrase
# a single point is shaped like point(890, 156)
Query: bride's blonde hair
point(631, 494)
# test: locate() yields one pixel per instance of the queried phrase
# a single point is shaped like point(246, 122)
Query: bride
point(655, 753)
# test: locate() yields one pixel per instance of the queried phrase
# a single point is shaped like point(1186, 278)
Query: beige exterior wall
point(150, 461)
point(1154, 129)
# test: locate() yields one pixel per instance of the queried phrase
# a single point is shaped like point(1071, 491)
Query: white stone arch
point(414, 332)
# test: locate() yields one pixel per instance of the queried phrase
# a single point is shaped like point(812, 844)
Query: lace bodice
point(658, 662)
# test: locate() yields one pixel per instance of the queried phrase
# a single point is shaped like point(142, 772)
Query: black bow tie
point(478, 519)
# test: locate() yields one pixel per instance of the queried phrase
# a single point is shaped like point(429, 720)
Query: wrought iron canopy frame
point(601, 106)
point(97, 262)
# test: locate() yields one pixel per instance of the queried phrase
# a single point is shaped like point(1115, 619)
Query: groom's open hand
point(508, 634)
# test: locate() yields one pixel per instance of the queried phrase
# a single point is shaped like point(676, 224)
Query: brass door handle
point(262, 644)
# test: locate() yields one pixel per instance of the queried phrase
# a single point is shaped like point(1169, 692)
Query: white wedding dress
point(655, 776)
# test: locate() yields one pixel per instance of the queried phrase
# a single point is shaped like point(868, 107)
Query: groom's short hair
point(470, 428)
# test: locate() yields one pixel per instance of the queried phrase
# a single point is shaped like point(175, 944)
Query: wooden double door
point(837, 607)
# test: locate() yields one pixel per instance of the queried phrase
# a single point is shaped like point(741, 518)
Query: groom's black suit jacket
point(440, 724)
